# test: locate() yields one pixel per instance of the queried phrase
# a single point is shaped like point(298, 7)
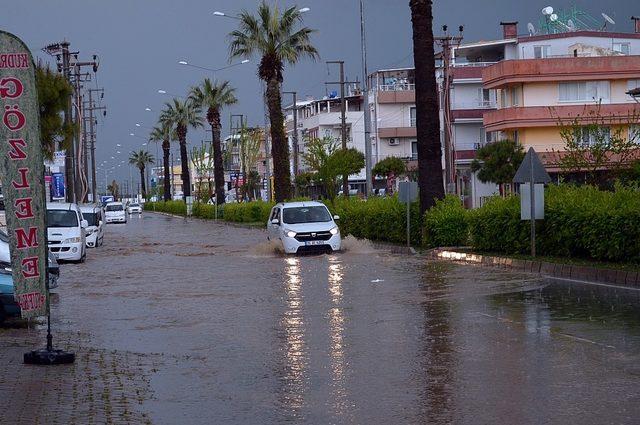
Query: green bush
point(170, 207)
point(497, 226)
point(207, 212)
point(248, 212)
point(446, 224)
point(382, 219)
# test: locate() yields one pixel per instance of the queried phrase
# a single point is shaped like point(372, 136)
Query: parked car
point(304, 227)
point(66, 232)
point(5, 260)
point(94, 215)
point(8, 305)
point(114, 213)
point(134, 208)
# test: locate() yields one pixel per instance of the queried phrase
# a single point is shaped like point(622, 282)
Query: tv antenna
point(607, 20)
point(547, 11)
point(571, 25)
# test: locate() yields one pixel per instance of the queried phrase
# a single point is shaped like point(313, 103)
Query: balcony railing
point(477, 104)
point(473, 64)
point(397, 87)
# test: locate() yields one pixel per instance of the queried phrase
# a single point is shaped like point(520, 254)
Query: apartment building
point(555, 77)
point(320, 118)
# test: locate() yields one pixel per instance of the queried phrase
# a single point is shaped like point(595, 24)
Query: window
point(621, 48)
point(62, 218)
point(485, 98)
point(633, 84)
point(412, 114)
point(511, 96)
point(634, 134)
point(584, 91)
point(541, 52)
point(590, 136)
point(414, 150)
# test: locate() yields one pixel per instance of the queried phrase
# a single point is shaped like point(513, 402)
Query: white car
point(95, 219)
point(304, 227)
point(66, 232)
point(134, 208)
point(114, 213)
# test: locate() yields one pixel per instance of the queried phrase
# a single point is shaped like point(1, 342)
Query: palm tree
point(181, 115)
point(275, 38)
point(215, 96)
point(140, 159)
point(430, 179)
point(164, 133)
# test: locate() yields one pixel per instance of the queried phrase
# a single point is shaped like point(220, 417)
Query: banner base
point(49, 357)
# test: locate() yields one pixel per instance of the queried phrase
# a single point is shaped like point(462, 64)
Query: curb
point(554, 270)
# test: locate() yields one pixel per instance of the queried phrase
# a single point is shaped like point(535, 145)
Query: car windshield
point(92, 218)
point(114, 207)
point(299, 215)
point(62, 218)
point(4, 237)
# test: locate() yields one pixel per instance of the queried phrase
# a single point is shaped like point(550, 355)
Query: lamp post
point(368, 157)
point(214, 70)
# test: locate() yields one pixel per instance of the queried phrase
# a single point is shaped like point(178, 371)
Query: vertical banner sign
point(23, 175)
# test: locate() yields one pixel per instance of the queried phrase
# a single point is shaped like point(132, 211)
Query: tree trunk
point(430, 178)
point(143, 183)
point(218, 166)
point(279, 143)
point(166, 147)
point(184, 159)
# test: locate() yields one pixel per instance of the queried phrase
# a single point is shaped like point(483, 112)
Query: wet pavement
point(183, 321)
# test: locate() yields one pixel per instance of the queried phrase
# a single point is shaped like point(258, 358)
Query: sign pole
point(408, 224)
point(533, 208)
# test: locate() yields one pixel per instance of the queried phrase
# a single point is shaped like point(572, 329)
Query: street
point(185, 321)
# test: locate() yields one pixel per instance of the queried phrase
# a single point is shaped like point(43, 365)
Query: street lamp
point(148, 109)
point(185, 63)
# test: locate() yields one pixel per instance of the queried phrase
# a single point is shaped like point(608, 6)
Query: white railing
point(397, 87)
point(473, 64)
point(477, 104)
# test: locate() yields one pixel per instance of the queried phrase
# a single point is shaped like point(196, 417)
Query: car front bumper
point(92, 240)
point(116, 219)
point(67, 251)
point(293, 246)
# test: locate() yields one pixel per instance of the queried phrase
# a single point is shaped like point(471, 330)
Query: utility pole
point(295, 130)
point(92, 134)
point(368, 154)
point(447, 42)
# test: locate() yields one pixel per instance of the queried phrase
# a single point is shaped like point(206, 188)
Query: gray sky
point(140, 42)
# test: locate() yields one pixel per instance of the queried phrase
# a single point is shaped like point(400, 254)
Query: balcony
point(561, 69)
point(476, 104)
point(543, 116)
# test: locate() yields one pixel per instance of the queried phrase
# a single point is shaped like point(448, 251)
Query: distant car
point(134, 208)
point(66, 232)
point(304, 227)
point(94, 214)
point(114, 213)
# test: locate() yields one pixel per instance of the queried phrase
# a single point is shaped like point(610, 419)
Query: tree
point(165, 134)
point(53, 93)
point(181, 115)
point(140, 159)
point(215, 96)
point(114, 189)
point(275, 38)
point(249, 152)
point(390, 168)
point(203, 164)
point(329, 163)
point(598, 145)
point(498, 162)
point(430, 174)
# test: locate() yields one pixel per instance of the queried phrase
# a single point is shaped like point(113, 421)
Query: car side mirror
point(336, 217)
point(275, 221)
point(84, 224)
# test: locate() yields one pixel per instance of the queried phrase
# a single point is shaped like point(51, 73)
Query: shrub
point(497, 226)
point(170, 207)
point(446, 224)
point(207, 212)
point(248, 212)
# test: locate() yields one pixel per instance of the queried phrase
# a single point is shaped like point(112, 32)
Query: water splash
point(353, 245)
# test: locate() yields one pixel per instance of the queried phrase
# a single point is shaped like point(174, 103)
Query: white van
point(114, 213)
point(94, 215)
point(66, 232)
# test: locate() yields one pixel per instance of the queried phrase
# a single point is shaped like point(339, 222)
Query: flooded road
point(184, 321)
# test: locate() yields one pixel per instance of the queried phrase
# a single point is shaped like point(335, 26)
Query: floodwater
point(239, 333)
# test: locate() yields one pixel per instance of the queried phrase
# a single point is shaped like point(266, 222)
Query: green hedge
point(581, 222)
point(170, 207)
point(248, 212)
point(446, 224)
point(381, 219)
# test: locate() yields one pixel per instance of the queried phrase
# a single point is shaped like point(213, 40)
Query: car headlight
point(90, 231)
point(73, 240)
point(291, 234)
point(334, 231)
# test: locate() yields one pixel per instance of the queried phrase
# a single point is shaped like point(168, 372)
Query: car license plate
point(308, 243)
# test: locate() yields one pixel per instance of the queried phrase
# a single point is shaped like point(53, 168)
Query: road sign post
point(530, 172)
point(407, 193)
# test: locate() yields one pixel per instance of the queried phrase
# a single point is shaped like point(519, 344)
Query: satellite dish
point(571, 25)
point(553, 17)
point(531, 28)
point(547, 10)
point(608, 19)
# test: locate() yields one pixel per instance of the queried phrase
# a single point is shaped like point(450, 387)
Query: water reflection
point(294, 333)
point(438, 359)
point(336, 329)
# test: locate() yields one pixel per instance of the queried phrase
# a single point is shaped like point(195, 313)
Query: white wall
point(560, 46)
